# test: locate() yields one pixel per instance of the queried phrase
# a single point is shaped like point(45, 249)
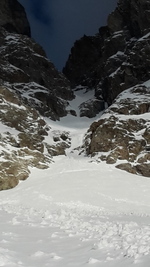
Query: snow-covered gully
point(76, 213)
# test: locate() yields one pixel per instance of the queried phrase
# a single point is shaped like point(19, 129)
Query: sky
point(57, 24)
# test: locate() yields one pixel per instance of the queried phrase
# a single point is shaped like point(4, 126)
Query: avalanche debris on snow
point(77, 212)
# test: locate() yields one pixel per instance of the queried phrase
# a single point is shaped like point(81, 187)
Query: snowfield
point(77, 213)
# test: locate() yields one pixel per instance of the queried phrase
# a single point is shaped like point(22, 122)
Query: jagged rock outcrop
point(84, 58)
point(123, 132)
point(132, 15)
point(25, 67)
point(61, 141)
point(91, 107)
point(116, 58)
point(23, 140)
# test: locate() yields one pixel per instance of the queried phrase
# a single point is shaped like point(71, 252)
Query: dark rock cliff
point(13, 17)
point(25, 67)
point(118, 56)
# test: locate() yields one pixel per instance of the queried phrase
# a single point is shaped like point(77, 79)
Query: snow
point(144, 37)
point(82, 95)
point(119, 53)
point(147, 83)
point(76, 213)
point(114, 73)
point(6, 129)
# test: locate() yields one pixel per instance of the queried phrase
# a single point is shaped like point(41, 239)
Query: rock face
point(132, 15)
point(13, 17)
point(25, 67)
point(27, 70)
point(21, 140)
point(123, 132)
point(29, 86)
point(116, 58)
point(116, 64)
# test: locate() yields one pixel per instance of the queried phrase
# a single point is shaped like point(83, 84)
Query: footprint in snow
point(54, 256)
point(41, 254)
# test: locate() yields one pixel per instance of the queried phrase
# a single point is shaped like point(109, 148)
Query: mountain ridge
point(117, 57)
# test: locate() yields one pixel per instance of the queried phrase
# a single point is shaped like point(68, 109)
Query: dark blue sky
point(57, 24)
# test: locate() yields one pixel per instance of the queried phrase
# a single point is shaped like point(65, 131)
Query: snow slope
point(76, 213)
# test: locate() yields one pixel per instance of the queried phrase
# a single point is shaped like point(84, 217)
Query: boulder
point(143, 169)
point(61, 142)
point(91, 108)
point(126, 167)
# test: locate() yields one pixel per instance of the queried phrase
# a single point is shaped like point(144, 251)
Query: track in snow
point(77, 213)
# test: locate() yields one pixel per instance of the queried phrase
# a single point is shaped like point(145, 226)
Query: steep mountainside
point(115, 63)
point(116, 58)
point(76, 209)
point(25, 67)
point(22, 140)
point(27, 71)
point(110, 69)
point(29, 85)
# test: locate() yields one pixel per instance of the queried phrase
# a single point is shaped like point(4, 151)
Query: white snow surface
point(76, 213)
